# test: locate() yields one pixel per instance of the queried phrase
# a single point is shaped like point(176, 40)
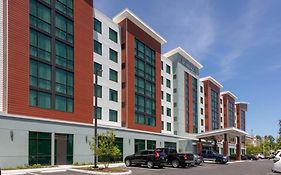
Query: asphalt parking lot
point(260, 167)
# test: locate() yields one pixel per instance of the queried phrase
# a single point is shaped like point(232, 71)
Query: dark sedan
point(150, 158)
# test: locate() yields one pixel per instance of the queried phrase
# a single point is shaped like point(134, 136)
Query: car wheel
point(175, 163)
point(128, 162)
point(150, 164)
point(160, 166)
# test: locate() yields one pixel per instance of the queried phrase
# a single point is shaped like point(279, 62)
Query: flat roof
point(231, 131)
point(126, 13)
point(242, 102)
point(183, 53)
point(212, 80)
point(229, 93)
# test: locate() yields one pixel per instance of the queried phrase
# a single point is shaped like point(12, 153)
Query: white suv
point(277, 162)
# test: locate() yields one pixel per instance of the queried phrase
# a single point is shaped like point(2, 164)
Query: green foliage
point(106, 147)
point(250, 149)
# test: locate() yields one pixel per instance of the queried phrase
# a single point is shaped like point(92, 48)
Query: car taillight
point(156, 155)
point(185, 157)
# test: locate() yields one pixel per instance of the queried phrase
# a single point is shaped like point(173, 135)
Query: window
point(113, 95)
point(202, 111)
point(39, 99)
point(113, 75)
point(64, 28)
point(39, 75)
point(139, 103)
point(113, 35)
point(168, 83)
point(97, 26)
point(113, 55)
point(162, 65)
point(169, 112)
point(98, 91)
point(162, 109)
point(139, 85)
point(151, 144)
point(39, 45)
point(64, 104)
point(175, 90)
point(162, 125)
point(169, 126)
point(201, 100)
point(162, 80)
point(97, 67)
point(64, 55)
point(97, 47)
point(65, 6)
point(175, 104)
point(175, 76)
point(162, 95)
point(139, 145)
point(39, 144)
point(168, 97)
point(40, 16)
point(201, 89)
point(113, 115)
point(64, 82)
point(168, 69)
point(98, 112)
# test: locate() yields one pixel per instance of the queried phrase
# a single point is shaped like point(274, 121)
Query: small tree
point(106, 147)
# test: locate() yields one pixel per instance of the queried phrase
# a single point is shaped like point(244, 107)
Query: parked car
point(150, 158)
point(277, 163)
point(251, 157)
point(209, 155)
point(177, 159)
point(198, 159)
point(261, 156)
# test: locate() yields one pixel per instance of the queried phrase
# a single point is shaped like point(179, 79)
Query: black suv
point(150, 158)
point(214, 156)
point(177, 159)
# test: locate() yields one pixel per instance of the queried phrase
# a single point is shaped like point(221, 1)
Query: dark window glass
point(162, 110)
point(64, 28)
point(40, 16)
point(162, 125)
point(170, 145)
point(98, 91)
point(151, 144)
point(39, 148)
point(113, 75)
point(40, 99)
point(195, 104)
point(98, 112)
point(139, 145)
point(139, 103)
point(169, 112)
point(168, 97)
point(97, 67)
point(168, 83)
point(162, 95)
point(97, 47)
point(169, 128)
point(113, 35)
point(97, 26)
point(113, 95)
point(231, 114)
point(39, 75)
point(64, 55)
point(113, 55)
point(168, 69)
point(65, 6)
point(64, 82)
point(64, 104)
point(215, 110)
point(39, 45)
point(113, 115)
point(139, 85)
point(162, 65)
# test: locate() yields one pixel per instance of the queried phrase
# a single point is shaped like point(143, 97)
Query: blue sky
point(238, 42)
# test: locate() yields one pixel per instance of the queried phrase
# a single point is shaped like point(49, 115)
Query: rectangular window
point(98, 91)
point(168, 83)
point(113, 35)
point(162, 95)
point(113, 75)
point(201, 89)
point(39, 45)
point(162, 110)
point(139, 103)
point(97, 47)
point(98, 112)
point(65, 6)
point(39, 75)
point(97, 26)
point(169, 112)
point(202, 111)
point(139, 145)
point(39, 16)
point(202, 122)
point(97, 67)
point(151, 144)
point(39, 144)
point(113, 95)
point(64, 55)
point(64, 82)
point(64, 28)
point(201, 100)
point(169, 128)
point(162, 65)
point(162, 80)
point(113, 55)
point(168, 69)
point(64, 104)
point(39, 99)
point(113, 115)
point(168, 97)
point(139, 85)
point(162, 125)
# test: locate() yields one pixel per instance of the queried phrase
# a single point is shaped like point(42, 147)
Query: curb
point(100, 173)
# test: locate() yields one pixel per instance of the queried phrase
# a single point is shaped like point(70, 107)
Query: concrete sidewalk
point(60, 168)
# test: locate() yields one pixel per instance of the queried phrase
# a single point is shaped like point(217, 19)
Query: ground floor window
point(170, 145)
point(243, 151)
point(151, 144)
point(119, 144)
point(231, 151)
point(39, 148)
point(139, 145)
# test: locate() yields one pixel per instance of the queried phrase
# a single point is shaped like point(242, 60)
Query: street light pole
point(97, 72)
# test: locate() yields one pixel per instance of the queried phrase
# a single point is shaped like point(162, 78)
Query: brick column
point(238, 148)
point(225, 145)
point(199, 147)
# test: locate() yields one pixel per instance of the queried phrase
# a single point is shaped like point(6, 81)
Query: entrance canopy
point(219, 133)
